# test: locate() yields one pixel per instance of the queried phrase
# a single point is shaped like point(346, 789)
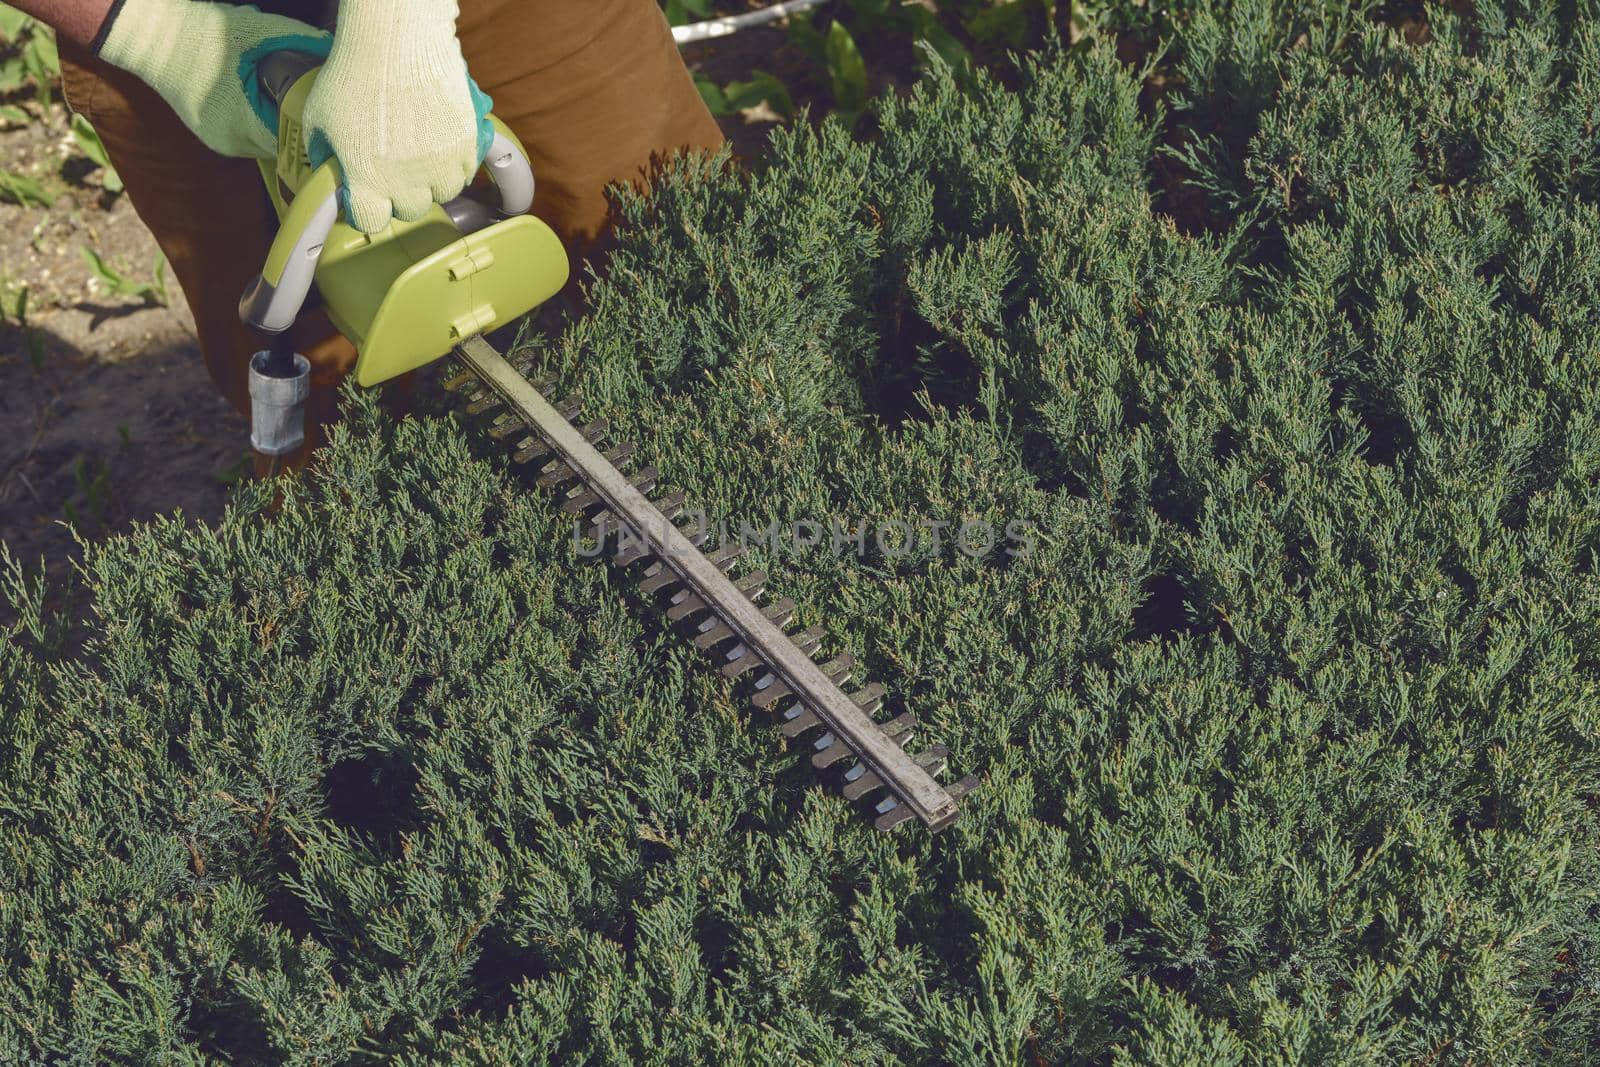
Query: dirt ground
point(108, 417)
point(106, 410)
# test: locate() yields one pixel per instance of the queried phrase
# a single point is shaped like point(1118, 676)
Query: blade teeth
point(485, 403)
point(831, 749)
point(796, 720)
point(780, 612)
point(837, 671)
point(891, 816)
point(870, 699)
point(631, 553)
point(963, 787)
point(603, 526)
point(645, 480)
point(618, 455)
point(899, 728)
point(457, 379)
point(862, 784)
point(723, 557)
point(793, 722)
point(659, 581)
point(933, 759)
point(506, 424)
point(687, 605)
point(530, 451)
point(809, 639)
point(753, 583)
point(591, 432)
point(576, 505)
point(671, 505)
point(562, 474)
point(582, 501)
point(713, 637)
point(741, 661)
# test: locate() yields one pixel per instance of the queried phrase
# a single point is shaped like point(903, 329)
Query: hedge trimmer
point(429, 289)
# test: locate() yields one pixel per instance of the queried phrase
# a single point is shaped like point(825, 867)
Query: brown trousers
point(593, 88)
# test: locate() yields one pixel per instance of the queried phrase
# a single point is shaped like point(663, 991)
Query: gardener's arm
point(188, 51)
point(76, 20)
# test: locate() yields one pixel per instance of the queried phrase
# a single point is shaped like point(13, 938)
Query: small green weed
point(93, 477)
point(27, 56)
point(22, 189)
point(90, 145)
point(119, 284)
point(14, 311)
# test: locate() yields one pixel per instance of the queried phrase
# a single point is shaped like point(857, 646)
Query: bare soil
point(106, 411)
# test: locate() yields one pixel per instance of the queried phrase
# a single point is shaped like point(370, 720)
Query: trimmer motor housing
point(405, 296)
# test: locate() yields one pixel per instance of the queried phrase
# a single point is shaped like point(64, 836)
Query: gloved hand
point(190, 52)
point(394, 105)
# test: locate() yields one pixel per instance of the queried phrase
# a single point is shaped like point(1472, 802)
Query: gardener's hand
point(393, 104)
point(190, 52)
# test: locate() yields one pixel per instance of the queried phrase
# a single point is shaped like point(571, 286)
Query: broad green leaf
point(1007, 20)
point(43, 59)
point(715, 99)
point(847, 69)
point(932, 34)
point(681, 11)
point(13, 72)
point(872, 8)
point(803, 33)
point(763, 87)
point(12, 23)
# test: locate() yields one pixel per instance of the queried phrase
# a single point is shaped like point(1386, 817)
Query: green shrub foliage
point(1289, 721)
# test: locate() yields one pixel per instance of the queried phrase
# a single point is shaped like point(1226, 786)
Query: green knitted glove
point(190, 52)
point(393, 104)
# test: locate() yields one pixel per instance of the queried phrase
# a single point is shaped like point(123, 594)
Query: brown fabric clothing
point(595, 90)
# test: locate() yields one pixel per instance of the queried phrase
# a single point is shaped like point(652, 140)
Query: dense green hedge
point(1288, 723)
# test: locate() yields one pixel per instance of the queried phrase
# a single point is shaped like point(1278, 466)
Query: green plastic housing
point(408, 295)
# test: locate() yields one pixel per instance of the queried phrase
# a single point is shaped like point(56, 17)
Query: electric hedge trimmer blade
point(434, 285)
point(867, 761)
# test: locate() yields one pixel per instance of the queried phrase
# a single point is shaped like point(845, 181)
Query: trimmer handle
point(272, 302)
